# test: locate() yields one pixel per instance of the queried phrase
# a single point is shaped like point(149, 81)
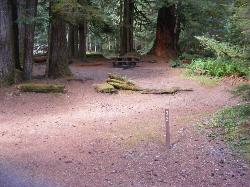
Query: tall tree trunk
point(167, 33)
point(82, 40)
point(71, 41)
point(15, 33)
point(58, 57)
point(21, 29)
point(120, 38)
point(127, 27)
point(29, 30)
point(7, 61)
point(76, 41)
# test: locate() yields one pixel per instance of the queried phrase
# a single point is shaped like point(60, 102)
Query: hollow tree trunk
point(82, 40)
point(7, 61)
point(29, 30)
point(167, 33)
point(58, 57)
point(127, 27)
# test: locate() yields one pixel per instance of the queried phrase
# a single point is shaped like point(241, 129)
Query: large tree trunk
point(7, 63)
point(127, 27)
point(15, 33)
point(58, 57)
point(82, 40)
point(167, 33)
point(29, 30)
point(21, 29)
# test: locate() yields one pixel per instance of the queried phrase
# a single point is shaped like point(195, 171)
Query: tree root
point(41, 88)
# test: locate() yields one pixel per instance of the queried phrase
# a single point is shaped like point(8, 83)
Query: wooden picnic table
point(125, 61)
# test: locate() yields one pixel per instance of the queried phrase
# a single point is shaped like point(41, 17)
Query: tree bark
point(21, 28)
point(127, 27)
point(29, 30)
point(7, 61)
point(15, 33)
point(167, 33)
point(58, 57)
point(71, 41)
point(76, 41)
point(82, 40)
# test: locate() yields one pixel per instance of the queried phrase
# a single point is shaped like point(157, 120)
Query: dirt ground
point(83, 138)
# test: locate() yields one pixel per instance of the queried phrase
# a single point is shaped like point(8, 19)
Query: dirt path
point(83, 138)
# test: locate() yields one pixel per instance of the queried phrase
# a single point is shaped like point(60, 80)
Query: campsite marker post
point(167, 128)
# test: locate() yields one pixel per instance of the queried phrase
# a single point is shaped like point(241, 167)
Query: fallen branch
point(41, 88)
point(164, 91)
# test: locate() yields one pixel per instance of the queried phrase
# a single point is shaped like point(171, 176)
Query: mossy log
point(105, 88)
point(119, 77)
point(124, 86)
point(165, 91)
point(41, 88)
point(120, 82)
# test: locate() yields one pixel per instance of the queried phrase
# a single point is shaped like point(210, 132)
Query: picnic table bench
point(125, 61)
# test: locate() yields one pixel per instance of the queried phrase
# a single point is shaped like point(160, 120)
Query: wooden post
point(167, 129)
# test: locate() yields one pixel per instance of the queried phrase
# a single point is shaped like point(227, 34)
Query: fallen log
point(123, 86)
point(119, 82)
point(165, 91)
point(41, 88)
point(120, 78)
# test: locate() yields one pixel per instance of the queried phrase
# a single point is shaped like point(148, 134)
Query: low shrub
point(175, 63)
point(219, 67)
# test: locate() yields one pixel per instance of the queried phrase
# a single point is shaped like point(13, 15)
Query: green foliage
point(223, 49)
point(188, 56)
point(234, 125)
point(219, 67)
point(42, 24)
point(202, 79)
point(175, 63)
point(242, 91)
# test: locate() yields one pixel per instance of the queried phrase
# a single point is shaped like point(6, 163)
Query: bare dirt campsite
point(124, 93)
point(85, 138)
